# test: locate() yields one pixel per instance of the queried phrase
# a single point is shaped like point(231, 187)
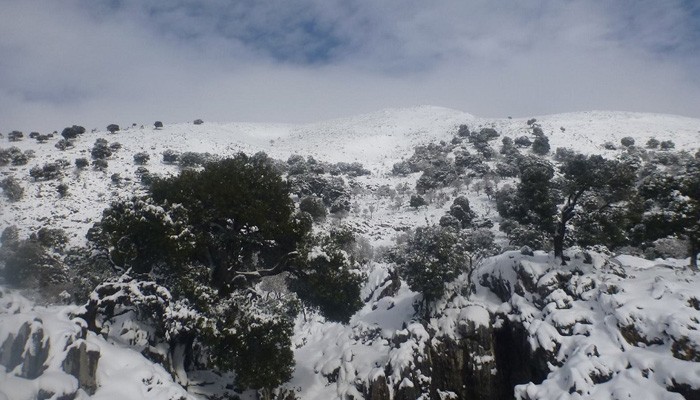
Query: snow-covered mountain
point(605, 326)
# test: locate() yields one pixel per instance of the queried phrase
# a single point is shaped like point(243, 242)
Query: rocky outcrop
point(28, 349)
point(81, 362)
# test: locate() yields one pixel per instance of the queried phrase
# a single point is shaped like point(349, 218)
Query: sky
point(96, 62)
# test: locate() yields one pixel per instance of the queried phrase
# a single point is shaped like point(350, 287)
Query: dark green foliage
point(531, 121)
point(191, 159)
point(100, 165)
point(432, 257)
point(112, 128)
point(417, 201)
point(259, 351)
point(64, 144)
point(141, 158)
point(328, 283)
point(314, 206)
point(100, 150)
point(170, 156)
point(29, 265)
point(198, 122)
point(627, 141)
point(158, 124)
point(540, 145)
point(332, 190)
point(462, 212)
point(62, 189)
point(140, 234)
point(523, 141)
point(463, 131)
point(564, 154)
point(667, 145)
point(81, 163)
point(653, 143)
point(72, 132)
point(12, 189)
point(15, 136)
point(46, 172)
point(440, 173)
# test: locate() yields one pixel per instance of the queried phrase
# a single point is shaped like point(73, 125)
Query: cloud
point(94, 62)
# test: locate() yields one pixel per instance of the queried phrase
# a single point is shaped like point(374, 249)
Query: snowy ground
point(582, 324)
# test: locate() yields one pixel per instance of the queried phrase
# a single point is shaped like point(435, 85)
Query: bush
point(540, 145)
point(100, 164)
point(314, 206)
point(609, 146)
point(81, 162)
point(12, 189)
point(627, 141)
point(667, 145)
point(72, 132)
point(192, 159)
point(112, 128)
point(433, 256)
point(652, 143)
point(64, 144)
point(170, 156)
point(198, 122)
point(115, 146)
point(100, 150)
point(141, 158)
point(29, 265)
point(158, 124)
point(15, 136)
point(523, 141)
point(417, 201)
point(47, 172)
point(463, 131)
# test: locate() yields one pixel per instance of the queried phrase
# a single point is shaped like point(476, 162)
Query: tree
point(610, 181)
point(207, 237)
point(436, 255)
point(540, 145)
point(72, 132)
point(112, 128)
point(158, 124)
point(673, 206)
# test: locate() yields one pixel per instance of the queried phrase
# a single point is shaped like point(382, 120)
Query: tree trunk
point(559, 232)
point(694, 249)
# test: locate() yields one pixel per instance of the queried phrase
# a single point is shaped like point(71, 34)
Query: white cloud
point(93, 64)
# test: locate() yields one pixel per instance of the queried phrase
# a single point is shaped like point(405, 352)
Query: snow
point(581, 322)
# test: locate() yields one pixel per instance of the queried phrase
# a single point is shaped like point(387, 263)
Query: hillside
point(599, 327)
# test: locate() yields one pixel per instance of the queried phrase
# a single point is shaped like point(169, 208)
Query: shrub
point(440, 174)
point(433, 256)
point(34, 135)
point(100, 150)
point(667, 145)
point(72, 132)
point(12, 189)
point(463, 131)
point(537, 131)
point(15, 136)
point(462, 212)
point(417, 201)
point(29, 265)
point(115, 146)
point(62, 190)
point(627, 141)
point(652, 143)
point(540, 145)
point(112, 128)
point(531, 121)
point(158, 124)
point(47, 172)
point(100, 164)
point(64, 144)
point(81, 162)
point(141, 158)
point(192, 159)
point(198, 122)
point(170, 156)
point(523, 141)
point(314, 206)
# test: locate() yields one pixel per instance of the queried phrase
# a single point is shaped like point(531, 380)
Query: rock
point(81, 362)
point(27, 349)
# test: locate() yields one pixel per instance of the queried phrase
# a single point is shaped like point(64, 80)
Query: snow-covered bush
point(314, 206)
point(141, 158)
point(12, 189)
point(72, 132)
